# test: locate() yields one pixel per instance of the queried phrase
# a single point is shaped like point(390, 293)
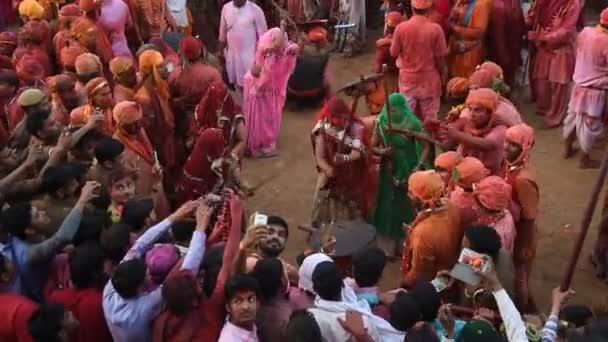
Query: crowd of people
point(122, 143)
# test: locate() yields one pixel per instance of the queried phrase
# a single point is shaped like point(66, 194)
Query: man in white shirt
point(242, 306)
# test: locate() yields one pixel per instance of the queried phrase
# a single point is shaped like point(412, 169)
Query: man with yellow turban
point(125, 78)
point(153, 97)
point(30, 10)
point(99, 101)
point(434, 237)
point(139, 155)
point(484, 134)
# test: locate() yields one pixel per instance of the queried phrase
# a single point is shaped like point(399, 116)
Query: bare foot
point(588, 163)
point(569, 149)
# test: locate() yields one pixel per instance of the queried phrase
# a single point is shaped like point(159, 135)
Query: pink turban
point(484, 97)
point(493, 193)
point(604, 17)
point(522, 135)
point(481, 78)
point(469, 171)
point(448, 160)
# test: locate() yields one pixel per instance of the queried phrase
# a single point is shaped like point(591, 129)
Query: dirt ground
point(286, 189)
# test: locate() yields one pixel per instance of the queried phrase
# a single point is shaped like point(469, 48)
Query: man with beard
point(271, 244)
point(63, 97)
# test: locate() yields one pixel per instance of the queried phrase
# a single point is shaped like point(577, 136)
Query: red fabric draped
point(206, 115)
point(197, 178)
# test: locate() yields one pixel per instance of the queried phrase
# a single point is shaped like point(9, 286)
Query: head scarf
point(8, 37)
point(149, 61)
point(269, 39)
point(126, 113)
point(59, 83)
point(88, 5)
point(69, 54)
point(448, 160)
point(481, 78)
point(121, 64)
point(160, 259)
point(33, 32)
point(494, 69)
point(422, 4)
point(31, 9)
point(79, 118)
point(604, 17)
point(478, 331)
point(427, 186)
point(469, 171)
point(401, 114)
point(493, 193)
point(191, 48)
point(484, 97)
point(80, 27)
point(88, 63)
point(29, 70)
point(318, 35)
point(522, 135)
point(307, 269)
point(95, 85)
point(393, 19)
point(206, 114)
point(199, 177)
point(458, 87)
point(70, 10)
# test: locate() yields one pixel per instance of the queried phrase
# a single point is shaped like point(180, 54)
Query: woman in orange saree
point(468, 23)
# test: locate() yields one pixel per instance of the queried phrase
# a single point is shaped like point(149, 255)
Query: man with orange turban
point(139, 155)
point(484, 134)
point(88, 33)
point(99, 101)
point(383, 46)
point(310, 80)
point(588, 106)
point(125, 78)
point(63, 97)
point(87, 66)
point(466, 174)
point(433, 239)
point(492, 202)
point(67, 58)
point(445, 163)
point(420, 48)
point(484, 77)
point(153, 97)
point(519, 173)
point(63, 37)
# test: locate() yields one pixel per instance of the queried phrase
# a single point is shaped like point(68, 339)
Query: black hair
point(34, 122)
point(423, 333)
point(10, 77)
point(428, 300)
point(368, 265)
point(405, 311)
point(128, 277)
point(16, 218)
point(268, 272)
point(93, 222)
point(86, 265)
point(115, 241)
point(46, 323)
point(136, 211)
point(211, 267)
point(3, 264)
point(278, 221)
point(327, 281)
point(182, 230)
point(484, 239)
point(240, 282)
point(108, 149)
point(57, 177)
point(577, 314)
point(84, 78)
point(302, 327)
point(90, 136)
point(419, 11)
point(598, 327)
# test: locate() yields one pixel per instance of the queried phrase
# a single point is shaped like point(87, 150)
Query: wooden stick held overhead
point(585, 222)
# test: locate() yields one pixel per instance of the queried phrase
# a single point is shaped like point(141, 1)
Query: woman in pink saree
point(264, 91)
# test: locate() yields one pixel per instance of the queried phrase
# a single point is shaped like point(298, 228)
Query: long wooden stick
point(585, 222)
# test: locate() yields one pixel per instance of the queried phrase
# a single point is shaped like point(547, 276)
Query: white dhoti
point(586, 115)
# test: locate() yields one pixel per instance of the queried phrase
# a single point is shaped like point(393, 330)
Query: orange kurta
point(466, 44)
point(433, 245)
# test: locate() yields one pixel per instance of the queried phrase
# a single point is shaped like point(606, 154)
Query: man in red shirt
point(85, 298)
point(15, 310)
point(420, 48)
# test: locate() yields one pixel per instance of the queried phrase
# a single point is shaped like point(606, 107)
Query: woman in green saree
point(401, 156)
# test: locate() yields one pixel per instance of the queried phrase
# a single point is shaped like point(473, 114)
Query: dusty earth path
point(286, 189)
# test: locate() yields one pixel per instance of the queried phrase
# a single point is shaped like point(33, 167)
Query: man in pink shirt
point(588, 107)
point(420, 48)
